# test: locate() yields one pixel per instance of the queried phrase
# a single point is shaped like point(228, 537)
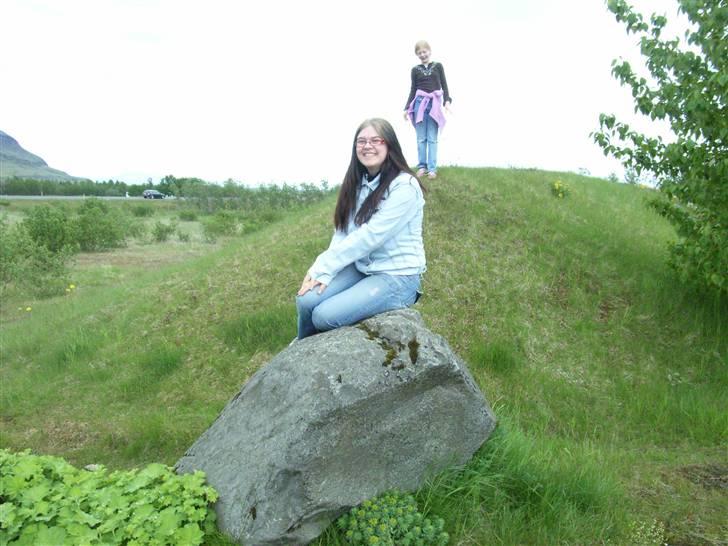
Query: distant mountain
point(16, 161)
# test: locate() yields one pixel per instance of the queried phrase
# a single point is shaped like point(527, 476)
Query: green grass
point(609, 378)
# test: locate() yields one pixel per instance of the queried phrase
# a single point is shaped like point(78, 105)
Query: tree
point(688, 89)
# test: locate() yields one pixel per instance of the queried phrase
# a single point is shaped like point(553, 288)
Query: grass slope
point(609, 379)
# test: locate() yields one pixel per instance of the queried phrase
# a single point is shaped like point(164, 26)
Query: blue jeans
point(426, 131)
point(353, 296)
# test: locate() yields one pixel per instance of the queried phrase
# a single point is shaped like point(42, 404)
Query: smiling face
point(371, 149)
point(423, 54)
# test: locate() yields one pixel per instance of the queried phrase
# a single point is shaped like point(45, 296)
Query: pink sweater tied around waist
point(436, 112)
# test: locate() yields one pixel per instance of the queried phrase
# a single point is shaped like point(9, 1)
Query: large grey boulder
point(335, 419)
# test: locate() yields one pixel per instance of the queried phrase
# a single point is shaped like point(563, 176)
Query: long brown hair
point(393, 165)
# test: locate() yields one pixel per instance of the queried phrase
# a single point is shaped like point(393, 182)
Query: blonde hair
point(422, 45)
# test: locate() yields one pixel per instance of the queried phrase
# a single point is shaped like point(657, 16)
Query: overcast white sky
point(272, 91)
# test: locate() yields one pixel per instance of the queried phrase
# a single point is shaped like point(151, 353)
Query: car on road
point(153, 194)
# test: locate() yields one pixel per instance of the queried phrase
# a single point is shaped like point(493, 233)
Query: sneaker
point(431, 175)
point(421, 171)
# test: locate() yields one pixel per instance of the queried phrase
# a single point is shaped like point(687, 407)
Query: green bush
point(8, 250)
point(142, 211)
point(391, 519)
point(230, 196)
point(255, 220)
point(98, 227)
point(222, 223)
point(269, 216)
point(29, 265)
point(187, 215)
point(137, 229)
point(45, 500)
point(687, 90)
point(49, 227)
point(161, 231)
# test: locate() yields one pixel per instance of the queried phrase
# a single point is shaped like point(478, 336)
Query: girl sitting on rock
point(376, 255)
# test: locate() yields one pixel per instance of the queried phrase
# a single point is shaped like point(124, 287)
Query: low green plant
point(518, 489)
point(559, 189)
point(391, 519)
point(187, 215)
point(29, 265)
point(142, 211)
point(647, 534)
point(45, 500)
point(499, 356)
point(222, 223)
point(183, 236)
point(161, 231)
point(266, 329)
point(98, 227)
point(137, 229)
point(50, 227)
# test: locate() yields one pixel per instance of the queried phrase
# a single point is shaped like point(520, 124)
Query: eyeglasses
point(374, 141)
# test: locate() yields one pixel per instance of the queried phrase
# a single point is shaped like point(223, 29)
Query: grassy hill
point(609, 379)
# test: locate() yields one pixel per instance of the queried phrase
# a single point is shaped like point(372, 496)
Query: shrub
point(161, 231)
point(49, 227)
point(48, 501)
point(137, 229)
point(98, 227)
point(142, 211)
point(8, 250)
point(187, 215)
point(222, 223)
point(29, 265)
point(688, 89)
point(391, 519)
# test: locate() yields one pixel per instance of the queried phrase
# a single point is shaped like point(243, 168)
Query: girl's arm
point(413, 88)
point(443, 81)
point(336, 237)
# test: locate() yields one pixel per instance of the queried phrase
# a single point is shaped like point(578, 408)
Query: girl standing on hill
point(376, 256)
point(424, 107)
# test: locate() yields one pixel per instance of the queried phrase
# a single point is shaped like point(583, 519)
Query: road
point(75, 197)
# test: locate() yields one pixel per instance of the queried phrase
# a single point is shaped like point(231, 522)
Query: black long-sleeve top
point(428, 78)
